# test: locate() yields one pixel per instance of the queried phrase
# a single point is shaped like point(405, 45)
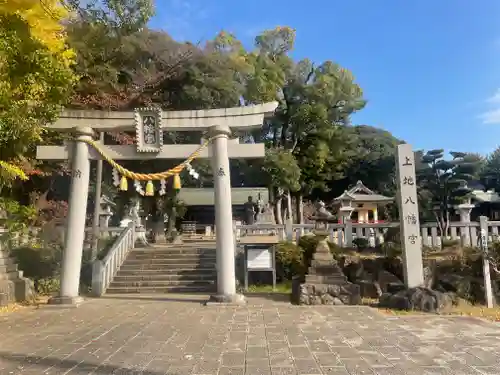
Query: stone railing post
point(97, 281)
point(289, 230)
point(75, 233)
point(104, 218)
point(464, 210)
point(347, 232)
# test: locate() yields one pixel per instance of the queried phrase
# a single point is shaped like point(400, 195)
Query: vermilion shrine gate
point(149, 124)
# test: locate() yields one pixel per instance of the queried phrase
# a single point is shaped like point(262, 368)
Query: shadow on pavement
point(18, 363)
point(158, 298)
point(275, 297)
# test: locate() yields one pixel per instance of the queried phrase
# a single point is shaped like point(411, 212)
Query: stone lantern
point(105, 213)
point(346, 209)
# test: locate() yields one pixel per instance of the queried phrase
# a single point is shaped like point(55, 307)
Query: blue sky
point(429, 68)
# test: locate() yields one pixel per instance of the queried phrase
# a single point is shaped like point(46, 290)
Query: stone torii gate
point(149, 123)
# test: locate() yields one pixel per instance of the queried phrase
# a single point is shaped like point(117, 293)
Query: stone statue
point(250, 211)
point(322, 212)
point(134, 212)
point(266, 215)
point(260, 207)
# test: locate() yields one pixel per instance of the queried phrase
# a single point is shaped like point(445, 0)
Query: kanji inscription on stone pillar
point(408, 212)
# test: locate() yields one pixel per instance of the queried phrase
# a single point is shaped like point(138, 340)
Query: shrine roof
point(360, 193)
point(485, 196)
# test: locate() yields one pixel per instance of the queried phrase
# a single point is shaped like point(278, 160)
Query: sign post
point(259, 258)
point(408, 213)
point(488, 294)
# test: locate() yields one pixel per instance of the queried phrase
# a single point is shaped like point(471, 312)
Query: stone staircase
point(184, 268)
point(13, 286)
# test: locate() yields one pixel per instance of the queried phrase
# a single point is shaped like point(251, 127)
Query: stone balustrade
point(467, 233)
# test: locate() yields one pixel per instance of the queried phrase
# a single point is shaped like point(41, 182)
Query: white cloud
point(495, 99)
point(492, 115)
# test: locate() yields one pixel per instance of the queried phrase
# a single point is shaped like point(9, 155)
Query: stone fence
point(344, 234)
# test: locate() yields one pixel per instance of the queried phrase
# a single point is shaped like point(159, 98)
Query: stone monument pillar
point(75, 231)
point(225, 253)
point(408, 212)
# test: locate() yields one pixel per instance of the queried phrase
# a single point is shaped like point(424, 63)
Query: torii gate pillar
point(75, 224)
point(226, 280)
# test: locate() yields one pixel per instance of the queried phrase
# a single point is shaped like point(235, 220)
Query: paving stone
point(288, 370)
point(334, 370)
point(152, 335)
point(231, 371)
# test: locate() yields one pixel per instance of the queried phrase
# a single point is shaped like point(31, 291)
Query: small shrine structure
point(360, 204)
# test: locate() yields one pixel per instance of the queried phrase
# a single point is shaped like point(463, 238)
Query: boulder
point(466, 287)
point(369, 288)
point(385, 277)
point(393, 288)
point(417, 299)
point(429, 276)
point(354, 271)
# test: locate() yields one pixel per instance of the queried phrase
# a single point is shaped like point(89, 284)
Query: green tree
point(35, 79)
point(443, 183)
point(371, 153)
point(314, 103)
point(490, 174)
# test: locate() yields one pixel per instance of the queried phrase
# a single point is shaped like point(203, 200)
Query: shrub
point(392, 250)
point(361, 243)
point(392, 235)
point(445, 243)
point(47, 286)
point(289, 260)
point(335, 249)
point(308, 244)
point(38, 263)
point(104, 245)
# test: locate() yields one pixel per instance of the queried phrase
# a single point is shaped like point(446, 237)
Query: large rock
point(429, 276)
point(417, 299)
point(369, 288)
point(466, 287)
point(385, 278)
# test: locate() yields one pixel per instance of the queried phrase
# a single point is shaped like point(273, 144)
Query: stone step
point(161, 278)
point(323, 257)
point(165, 266)
point(321, 279)
point(325, 270)
point(162, 283)
point(174, 250)
point(13, 275)
point(154, 290)
point(172, 271)
point(155, 256)
point(172, 261)
point(6, 261)
point(8, 267)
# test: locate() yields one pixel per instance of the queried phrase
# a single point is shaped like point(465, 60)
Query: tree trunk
point(289, 206)
point(279, 217)
point(299, 208)
point(447, 223)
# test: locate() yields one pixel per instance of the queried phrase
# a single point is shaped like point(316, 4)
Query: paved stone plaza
point(175, 335)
